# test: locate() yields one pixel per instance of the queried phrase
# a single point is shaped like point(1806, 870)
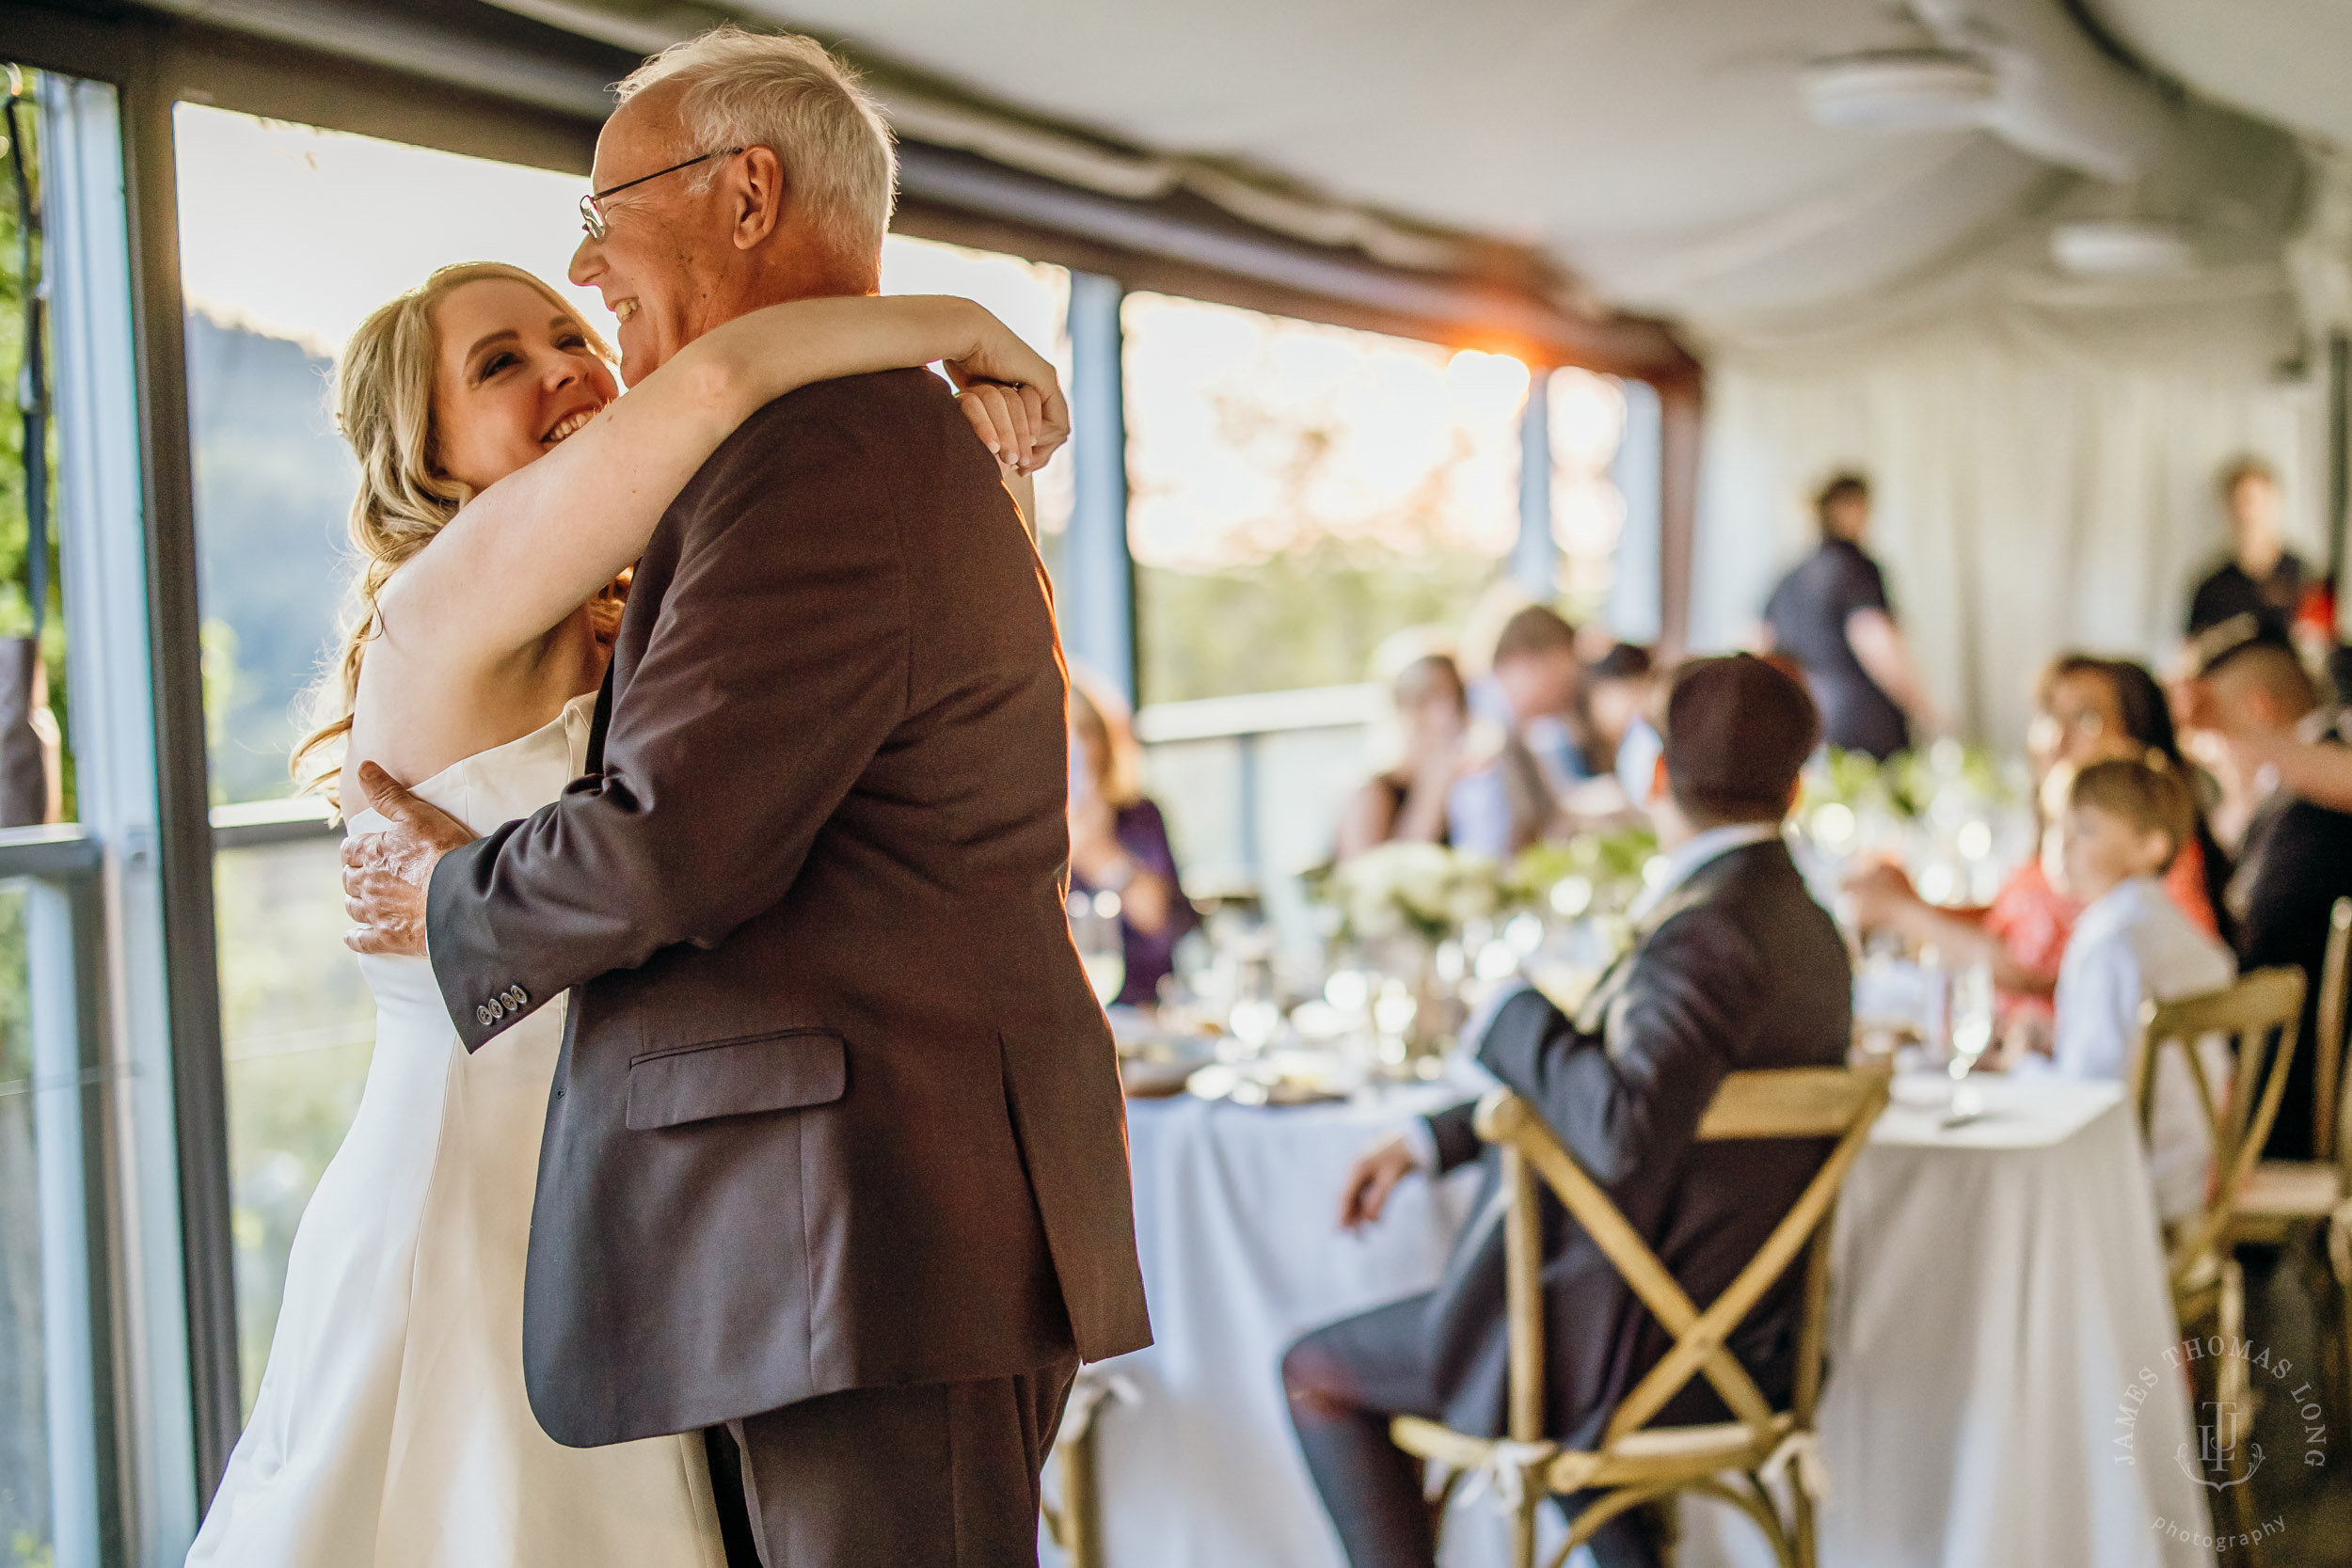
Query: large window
point(1299, 491)
point(289, 236)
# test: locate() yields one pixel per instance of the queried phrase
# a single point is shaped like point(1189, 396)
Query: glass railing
point(298, 1029)
point(26, 1536)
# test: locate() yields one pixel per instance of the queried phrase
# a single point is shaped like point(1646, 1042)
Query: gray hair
point(785, 93)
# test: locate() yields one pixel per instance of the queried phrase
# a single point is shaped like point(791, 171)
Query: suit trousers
point(1345, 1382)
point(937, 1475)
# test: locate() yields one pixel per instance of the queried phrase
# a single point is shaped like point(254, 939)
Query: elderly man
point(834, 1163)
point(1736, 967)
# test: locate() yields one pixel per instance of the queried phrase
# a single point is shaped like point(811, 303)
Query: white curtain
point(2044, 477)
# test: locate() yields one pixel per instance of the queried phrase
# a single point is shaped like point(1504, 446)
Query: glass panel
point(274, 285)
point(24, 1495)
point(1587, 415)
point(1301, 492)
point(36, 769)
point(298, 1031)
point(1032, 298)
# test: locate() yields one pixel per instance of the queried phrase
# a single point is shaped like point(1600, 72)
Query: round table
point(2000, 1294)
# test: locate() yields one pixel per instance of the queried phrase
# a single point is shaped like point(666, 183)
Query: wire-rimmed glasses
point(592, 205)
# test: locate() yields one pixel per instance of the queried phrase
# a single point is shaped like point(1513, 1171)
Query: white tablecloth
point(2000, 1289)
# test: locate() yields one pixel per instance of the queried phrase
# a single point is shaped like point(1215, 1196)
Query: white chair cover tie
point(1503, 1474)
point(1085, 1400)
point(1802, 1450)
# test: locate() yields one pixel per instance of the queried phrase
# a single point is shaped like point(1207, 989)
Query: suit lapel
point(603, 719)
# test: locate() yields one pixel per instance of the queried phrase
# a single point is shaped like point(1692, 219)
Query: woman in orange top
point(2086, 710)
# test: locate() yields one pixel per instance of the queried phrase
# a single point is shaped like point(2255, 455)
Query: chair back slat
point(2247, 1014)
point(1785, 1103)
point(2328, 1134)
point(1523, 1262)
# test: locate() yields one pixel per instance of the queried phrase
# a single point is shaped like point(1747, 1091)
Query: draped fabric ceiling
point(1880, 299)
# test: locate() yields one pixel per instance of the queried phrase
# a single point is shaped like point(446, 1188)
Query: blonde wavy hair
point(383, 406)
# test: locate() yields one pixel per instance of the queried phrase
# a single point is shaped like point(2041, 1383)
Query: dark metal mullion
point(199, 1082)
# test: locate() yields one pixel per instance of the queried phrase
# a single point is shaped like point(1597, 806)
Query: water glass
point(1101, 940)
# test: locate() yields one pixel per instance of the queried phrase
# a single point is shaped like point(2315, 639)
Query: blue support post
point(1636, 610)
point(1536, 559)
point(1097, 594)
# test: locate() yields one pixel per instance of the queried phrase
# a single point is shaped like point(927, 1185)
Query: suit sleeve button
point(483, 1016)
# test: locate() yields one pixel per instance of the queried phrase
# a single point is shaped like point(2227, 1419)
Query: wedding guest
point(1831, 614)
point(1515, 801)
point(2124, 823)
point(1119, 840)
point(1409, 801)
point(2311, 761)
point(1735, 967)
point(2297, 859)
point(2086, 710)
point(1616, 694)
point(2262, 577)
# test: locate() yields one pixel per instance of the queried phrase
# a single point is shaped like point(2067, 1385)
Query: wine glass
point(1101, 941)
point(1971, 1015)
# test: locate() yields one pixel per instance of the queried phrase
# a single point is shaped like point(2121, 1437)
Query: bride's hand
point(998, 356)
point(1011, 422)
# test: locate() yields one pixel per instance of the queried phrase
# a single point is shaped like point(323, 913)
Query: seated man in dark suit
point(2296, 858)
point(1735, 967)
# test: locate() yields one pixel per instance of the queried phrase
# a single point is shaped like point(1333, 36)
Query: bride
point(504, 489)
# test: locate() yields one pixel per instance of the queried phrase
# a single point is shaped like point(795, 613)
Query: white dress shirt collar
point(1687, 859)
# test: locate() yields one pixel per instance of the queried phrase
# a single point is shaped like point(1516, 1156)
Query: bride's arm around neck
point(522, 556)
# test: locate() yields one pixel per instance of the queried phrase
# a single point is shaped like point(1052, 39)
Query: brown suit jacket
point(837, 1107)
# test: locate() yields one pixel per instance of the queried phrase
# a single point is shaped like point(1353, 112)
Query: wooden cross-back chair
point(2252, 1014)
point(2285, 1198)
point(1636, 1462)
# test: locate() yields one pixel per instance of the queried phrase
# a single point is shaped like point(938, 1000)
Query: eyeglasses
point(592, 205)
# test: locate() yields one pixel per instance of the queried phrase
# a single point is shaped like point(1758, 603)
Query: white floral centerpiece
point(1423, 890)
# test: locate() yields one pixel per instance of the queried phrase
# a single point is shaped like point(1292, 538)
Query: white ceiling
point(2286, 60)
point(1658, 148)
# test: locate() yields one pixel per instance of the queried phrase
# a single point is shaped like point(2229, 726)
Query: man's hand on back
point(385, 874)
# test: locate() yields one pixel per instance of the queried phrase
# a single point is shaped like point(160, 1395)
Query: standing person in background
point(2262, 577)
point(1119, 840)
point(1409, 801)
point(1831, 613)
point(1508, 805)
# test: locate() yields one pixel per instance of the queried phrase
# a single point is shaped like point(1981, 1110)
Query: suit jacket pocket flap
point(736, 1078)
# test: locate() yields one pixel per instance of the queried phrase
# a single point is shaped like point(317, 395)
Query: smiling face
point(650, 266)
point(513, 376)
point(2081, 722)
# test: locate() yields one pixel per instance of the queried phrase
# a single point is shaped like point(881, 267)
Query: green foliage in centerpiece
point(1426, 889)
point(1906, 784)
point(1594, 874)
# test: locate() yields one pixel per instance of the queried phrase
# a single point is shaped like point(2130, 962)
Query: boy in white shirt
point(2123, 824)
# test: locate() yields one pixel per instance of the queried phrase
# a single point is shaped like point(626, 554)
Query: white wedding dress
point(391, 1430)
